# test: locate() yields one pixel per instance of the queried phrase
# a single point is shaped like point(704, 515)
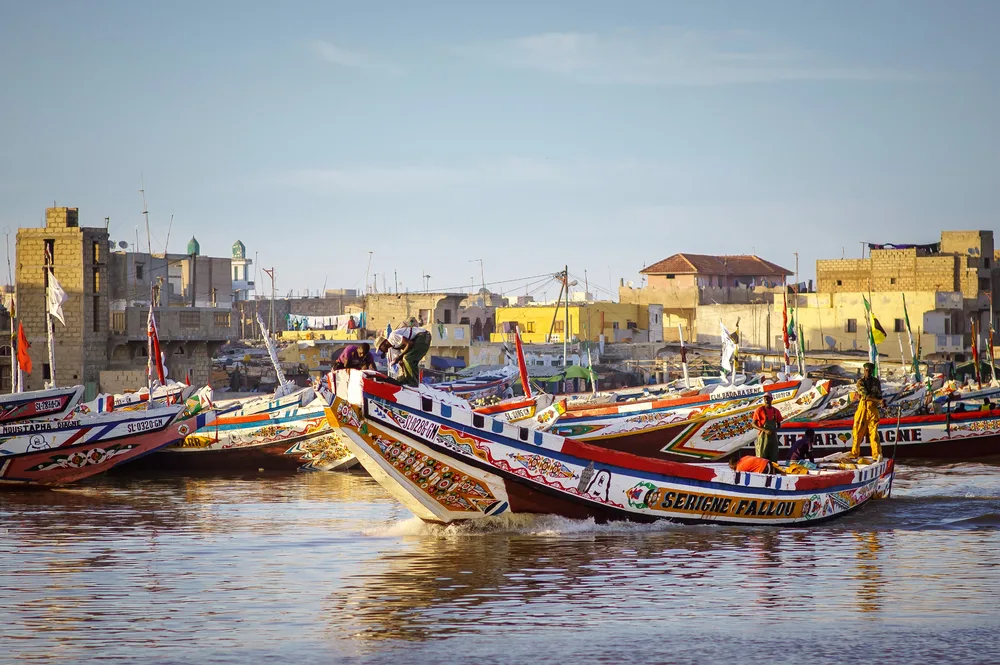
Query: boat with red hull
point(948, 436)
point(59, 452)
point(447, 464)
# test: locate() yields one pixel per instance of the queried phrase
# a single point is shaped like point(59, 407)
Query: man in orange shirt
point(767, 420)
point(753, 464)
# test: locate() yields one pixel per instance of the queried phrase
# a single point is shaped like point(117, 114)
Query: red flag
point(187, 377)
point(522, 367)
point(975, 353)
point(23, 359)
point(154, 349)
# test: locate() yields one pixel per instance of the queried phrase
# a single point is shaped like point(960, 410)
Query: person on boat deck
point(404, 348)
point(869, 390)
point(767, 420)
point(752, 464)
point(802, 449)
point(355, 356)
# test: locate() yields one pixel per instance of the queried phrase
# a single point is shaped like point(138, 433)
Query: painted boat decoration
point(55, 452)
point(448, 464)
point(173, 393)
point(483, 387)
point(702, 428)
point(52, 403)
point(326, 452)
point(951, 436)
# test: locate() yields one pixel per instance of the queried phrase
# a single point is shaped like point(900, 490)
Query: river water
point(325, 567)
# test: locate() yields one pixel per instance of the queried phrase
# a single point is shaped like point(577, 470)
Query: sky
point(425, 136)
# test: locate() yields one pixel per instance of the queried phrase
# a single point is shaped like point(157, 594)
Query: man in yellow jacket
point(869, 390)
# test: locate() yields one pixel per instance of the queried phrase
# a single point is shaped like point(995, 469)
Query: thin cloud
point(496, 174)
point(342, 57)
point(667, 56)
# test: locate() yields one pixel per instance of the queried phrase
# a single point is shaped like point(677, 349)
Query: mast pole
point(566, 332)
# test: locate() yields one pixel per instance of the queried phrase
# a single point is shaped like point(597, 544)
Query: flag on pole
point(23, 358)
point(55, 297)
point(728, 349)
point(784, 326)
point(522, 367)
point(153, 350)
point(872, 344)
point(975, 353)
point(909, 334)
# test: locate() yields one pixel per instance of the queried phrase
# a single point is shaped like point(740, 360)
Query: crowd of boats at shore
point(469, 450)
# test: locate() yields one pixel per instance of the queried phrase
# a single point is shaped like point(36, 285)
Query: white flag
point(728, 348)
point(56, 297)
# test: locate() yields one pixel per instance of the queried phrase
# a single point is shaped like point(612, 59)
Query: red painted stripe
point(76, 437)
point(583, 410)
point(506, 406)
point(635, 462)
point(386, 391)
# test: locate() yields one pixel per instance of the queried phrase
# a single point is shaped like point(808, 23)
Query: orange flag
point(23, 359)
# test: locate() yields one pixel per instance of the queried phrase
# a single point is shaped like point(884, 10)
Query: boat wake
point(965, 481)
point(526, 525)
point(986, 521)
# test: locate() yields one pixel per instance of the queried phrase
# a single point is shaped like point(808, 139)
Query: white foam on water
point(527, 525)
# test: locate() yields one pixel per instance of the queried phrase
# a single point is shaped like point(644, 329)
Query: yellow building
point(586, 322)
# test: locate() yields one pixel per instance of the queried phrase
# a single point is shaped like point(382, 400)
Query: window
point(50, 252)
point(947, 326)
point(984, 283)
point(236, 274)
point(97, 252)
point(46, 372)
point(986, 263)
point(671, 276)
point(529, 327)
point(5, 351)
point(569, 363)
point(139, 271)
point(189, 319)
point(851, 326)
point(118, 322)
point(899, 326)
point(324, 353)
point(302, 357)
point(631, 325)
point(447, 316)
point(892, 280)
point(840, 282)
point(222, 319)
point(95, 314)
point(614, 325)
point(97, 280)
point(560, 326)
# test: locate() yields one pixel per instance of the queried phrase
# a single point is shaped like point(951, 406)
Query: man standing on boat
point(355, 356)
point(767, 420)
point(404, 348)
point(866, 418)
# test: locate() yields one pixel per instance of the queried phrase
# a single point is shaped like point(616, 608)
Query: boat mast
point(684, 364)
point(566, 332)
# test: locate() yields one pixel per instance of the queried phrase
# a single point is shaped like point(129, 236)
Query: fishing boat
point(33, 404)
point(56, 452)
point(483, 387)
point(948, 436)
point(446, 465)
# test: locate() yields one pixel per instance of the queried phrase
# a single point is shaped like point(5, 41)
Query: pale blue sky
point(528, 134)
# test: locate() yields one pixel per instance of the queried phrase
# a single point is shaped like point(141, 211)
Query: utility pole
point(270, 318)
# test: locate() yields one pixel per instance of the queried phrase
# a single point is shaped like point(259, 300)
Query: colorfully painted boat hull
point(447, 465)
point(52, 403)
point(96, 444)
point(958, 437)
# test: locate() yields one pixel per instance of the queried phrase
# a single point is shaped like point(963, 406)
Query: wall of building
point(80, 265)
point(396, 309)
point(586, 322)
point(840, 318)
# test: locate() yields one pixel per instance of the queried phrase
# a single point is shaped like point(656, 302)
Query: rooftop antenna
point(482, 275)
point(145, 213)
point(167, 243)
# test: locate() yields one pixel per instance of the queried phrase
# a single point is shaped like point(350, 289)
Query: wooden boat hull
point(82, 457)
point(447, 465)
point(52, 403)
point(960, 436)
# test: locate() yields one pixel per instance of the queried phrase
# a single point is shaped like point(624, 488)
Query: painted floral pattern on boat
point(81, 458)
point(543, 465)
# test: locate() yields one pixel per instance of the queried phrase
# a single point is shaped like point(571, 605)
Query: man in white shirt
point(404, 348)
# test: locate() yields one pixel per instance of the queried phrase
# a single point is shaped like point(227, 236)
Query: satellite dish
point(831, 342)
point(122, 244)
point(631, 284)
point(974, 251)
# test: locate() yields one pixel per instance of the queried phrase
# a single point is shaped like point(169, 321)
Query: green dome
point(194, 247)
point(239, 250)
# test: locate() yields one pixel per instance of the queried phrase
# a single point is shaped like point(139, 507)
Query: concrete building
point(945, 284)
point(683, 282)
point(600, 321)
point(103, 344)
point(333, 304)
point(428, 308)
